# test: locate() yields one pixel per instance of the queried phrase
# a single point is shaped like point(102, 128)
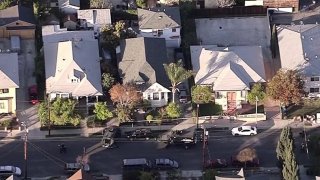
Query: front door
point(231, 101)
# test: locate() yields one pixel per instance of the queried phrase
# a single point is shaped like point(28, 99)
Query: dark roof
point(142, 60)
point(16, 13)
point(159, 18)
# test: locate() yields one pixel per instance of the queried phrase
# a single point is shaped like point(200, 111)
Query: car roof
point(163, 161)
point(6, 168)
point(245, 127)
point(135, 161)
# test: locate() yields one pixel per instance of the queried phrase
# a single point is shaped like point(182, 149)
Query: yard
point(209, 109)
point(309, 107)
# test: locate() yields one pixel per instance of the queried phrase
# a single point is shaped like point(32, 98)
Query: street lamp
point(257, 110)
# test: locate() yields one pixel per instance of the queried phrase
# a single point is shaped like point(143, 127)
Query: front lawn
point(309, 107)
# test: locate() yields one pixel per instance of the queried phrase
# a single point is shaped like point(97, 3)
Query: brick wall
point(282, 3)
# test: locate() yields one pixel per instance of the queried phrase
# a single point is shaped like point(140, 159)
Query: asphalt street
point(44, 158)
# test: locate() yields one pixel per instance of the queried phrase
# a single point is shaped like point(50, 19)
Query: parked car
point(109, 134)
point(244, 131)
point(254, 163)
point(10, 170)
point(198, 135)
point(140, 133)
point(141, 164)
point(216, 163)
point(165, 164)
point(73, 167)
point(33, 94)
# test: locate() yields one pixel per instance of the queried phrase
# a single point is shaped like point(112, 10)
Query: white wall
point(167, 34)
point(156, 88)
point(254, 3)
point(222, 100)
point(9, 104)
point(68, 9)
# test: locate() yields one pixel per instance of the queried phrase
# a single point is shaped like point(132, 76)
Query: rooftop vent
point(316, 56)
point(160, 17)
point(311, 39)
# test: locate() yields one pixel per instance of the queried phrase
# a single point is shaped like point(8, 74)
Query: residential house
point(69, 6)
point(72, 63)
point(230, 71)
point(142, 62)
point(234, 31)
point(161, 23)
point(94, 18)
point(277, 5)
point(299, 47)
point(9, 82)
point(17, 21)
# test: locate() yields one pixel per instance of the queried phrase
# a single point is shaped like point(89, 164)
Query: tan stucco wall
point(10, 104)
point(24, 33)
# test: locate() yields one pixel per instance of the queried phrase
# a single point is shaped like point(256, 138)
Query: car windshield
point(252, 128)
point(240, 129)
point(13, 169)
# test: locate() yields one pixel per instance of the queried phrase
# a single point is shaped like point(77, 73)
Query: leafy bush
point(149, 117)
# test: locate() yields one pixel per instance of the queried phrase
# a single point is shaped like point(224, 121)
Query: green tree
point(146, 176)
point(201, 94)
point(257, 91)
point(141, 3)
point(149, 117)
point(209, 174)
point(5, 4)
point(100, 4)
point(246, 154)
point(107, 80)
point(286, 86)
point(62, 112)
point(176, 74)
point(290, 170)
point(102, 112)
point(123, 113)
point(43, 113)
point(173, 110)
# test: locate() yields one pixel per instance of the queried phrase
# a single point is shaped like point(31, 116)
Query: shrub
point(149, 117)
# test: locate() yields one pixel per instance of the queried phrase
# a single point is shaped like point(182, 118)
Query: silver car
point(165, 163)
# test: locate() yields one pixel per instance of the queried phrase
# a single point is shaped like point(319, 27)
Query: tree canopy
point(62, 112)
point(107, 80)
point(176, 74)
point(201, 94)
point(100, 4)
point(43, 113)
point(257, 91)
point(173, 110)
point(226, 3)
point(102, 112)
point(286, 86)
point(125, 95)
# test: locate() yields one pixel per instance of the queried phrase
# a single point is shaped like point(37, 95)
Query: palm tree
point(176, 74)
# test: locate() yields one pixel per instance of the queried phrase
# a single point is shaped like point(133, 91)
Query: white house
point(9, 82)
point(69, 6)
point(94, 18)
point(299, 47)
point(161, 23)
point(72, 63)
point(230, 71)
point(142, 62)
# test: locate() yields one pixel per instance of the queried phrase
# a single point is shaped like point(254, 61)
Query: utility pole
point(205, 147)
point(25, 149)
point(49, 120)
point(197, 115)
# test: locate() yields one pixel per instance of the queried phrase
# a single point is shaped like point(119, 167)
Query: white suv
point(9, 170)
point(244, 131)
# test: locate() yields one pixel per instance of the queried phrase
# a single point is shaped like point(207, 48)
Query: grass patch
point(302, 110)
point(210, 109)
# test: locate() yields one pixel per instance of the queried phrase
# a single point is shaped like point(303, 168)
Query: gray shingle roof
point(16, 13)
point(299, 47)
point(143, 59)
point(159, 18)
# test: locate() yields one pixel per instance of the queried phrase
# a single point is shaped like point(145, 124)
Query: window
point(314, 90)
point(149, 97)
point(2, 106)
point(155, 96)
point(218, 95)
point(174, 30)
point(315, 78)
point(160, 32)
point(243, 94)
point(74, 80)
point(2, 91)
point(162, 95)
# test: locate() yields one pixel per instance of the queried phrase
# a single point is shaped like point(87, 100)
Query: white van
point(9, 170)
point(136, 164)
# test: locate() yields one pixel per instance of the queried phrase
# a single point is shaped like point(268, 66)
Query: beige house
point(17, 21)
point(230, 71)
point(9, 82)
